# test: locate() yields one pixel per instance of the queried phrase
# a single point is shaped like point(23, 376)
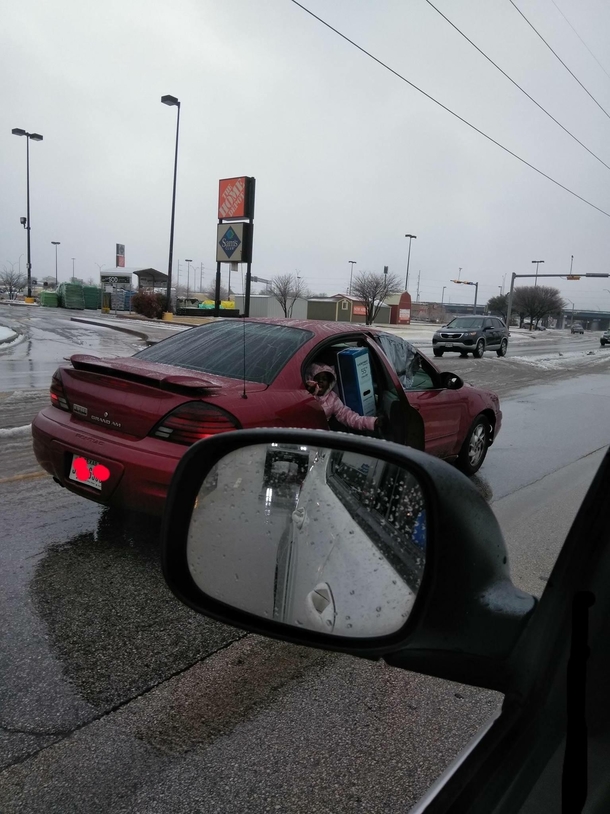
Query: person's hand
point(311, 386)
point(381, 425)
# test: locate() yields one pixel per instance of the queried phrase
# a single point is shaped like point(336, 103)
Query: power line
point(444, 107)
point(510, 79)
point(559, 58)
point(580, 38)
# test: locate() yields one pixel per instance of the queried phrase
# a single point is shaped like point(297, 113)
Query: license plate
point(448, 344)
point(83, 473)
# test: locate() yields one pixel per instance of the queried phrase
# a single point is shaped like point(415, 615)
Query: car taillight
point(193, 421)
point(57, 392)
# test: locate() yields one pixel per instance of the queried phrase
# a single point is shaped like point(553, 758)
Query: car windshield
point(465, 323)
point(235, 349)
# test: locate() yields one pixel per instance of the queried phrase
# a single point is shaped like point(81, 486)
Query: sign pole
point(217, 292)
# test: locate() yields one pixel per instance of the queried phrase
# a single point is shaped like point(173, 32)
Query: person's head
point(325, 380)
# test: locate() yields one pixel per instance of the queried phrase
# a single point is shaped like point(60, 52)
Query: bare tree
point(498, 305)
point(372, 288)
point(287, 288)
point(211, 292)
point(537, 302)
point(12, 281)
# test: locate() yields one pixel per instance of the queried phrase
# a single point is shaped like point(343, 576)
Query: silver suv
point(471, 335)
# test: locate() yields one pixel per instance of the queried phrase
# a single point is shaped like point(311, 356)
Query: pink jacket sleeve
point(347, 416)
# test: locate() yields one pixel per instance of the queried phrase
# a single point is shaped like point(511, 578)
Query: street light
point(411, 237)
point(476, 290)
point(171, 101)
point(351, 271)
point(55, 243)
point(73, 259)
point(188, 272)
point(443, 294)
point(537, 262)
point(17, 131)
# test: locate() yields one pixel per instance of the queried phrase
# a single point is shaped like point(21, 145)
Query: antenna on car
point(243, 395)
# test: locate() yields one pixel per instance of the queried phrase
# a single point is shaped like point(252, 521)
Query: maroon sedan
point(116, 428)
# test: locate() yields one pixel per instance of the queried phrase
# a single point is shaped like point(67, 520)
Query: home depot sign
point(236, 198)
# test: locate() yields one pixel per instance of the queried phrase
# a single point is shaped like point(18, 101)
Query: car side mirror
point(451, 381)
point(344, 543)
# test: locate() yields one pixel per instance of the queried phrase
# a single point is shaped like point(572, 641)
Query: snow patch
point(560, 360)
point(12, 432)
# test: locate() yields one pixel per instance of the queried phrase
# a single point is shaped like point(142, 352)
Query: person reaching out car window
point(320, 380)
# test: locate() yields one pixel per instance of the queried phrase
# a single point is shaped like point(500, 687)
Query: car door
point(441, 409)
point(491, 333)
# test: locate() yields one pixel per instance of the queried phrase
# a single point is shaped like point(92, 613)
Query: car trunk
point(130, 396)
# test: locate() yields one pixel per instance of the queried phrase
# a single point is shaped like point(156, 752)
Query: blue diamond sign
point(231, 242)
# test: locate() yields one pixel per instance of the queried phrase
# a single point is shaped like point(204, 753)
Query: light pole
point(55, 243)
point(411, 237)
point(171, 101)
point(443, 294)
point(537, 262)
point(476, 291)
point(17, 131)
point(351, 271)
point(570, 301)
point(188, 273)
point(73, 259)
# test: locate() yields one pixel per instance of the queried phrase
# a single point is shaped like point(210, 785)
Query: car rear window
point(230, 348)
point(465, 322)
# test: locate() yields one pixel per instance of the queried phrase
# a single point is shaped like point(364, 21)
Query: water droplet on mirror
point(350, 625)
point(378, 610)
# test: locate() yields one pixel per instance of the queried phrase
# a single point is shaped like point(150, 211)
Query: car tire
point(479, 349)
point(503, 348)
point(475, 446)
point(437, 353)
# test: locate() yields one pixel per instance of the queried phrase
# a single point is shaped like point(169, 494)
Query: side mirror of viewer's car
point(344, 543)
point(378, 550)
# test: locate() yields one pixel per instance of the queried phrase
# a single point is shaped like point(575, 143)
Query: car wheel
point(437, 353)
point(474, 449)
point(503, 348)
point(479, 349)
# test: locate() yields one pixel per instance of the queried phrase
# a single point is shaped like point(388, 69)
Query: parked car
point(471, 335)
point(577, 328)
point(117, 427)
point(604, 338)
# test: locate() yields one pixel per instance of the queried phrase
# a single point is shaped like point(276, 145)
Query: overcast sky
point(347, 157)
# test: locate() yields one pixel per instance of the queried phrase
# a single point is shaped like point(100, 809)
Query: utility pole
point(418, 279)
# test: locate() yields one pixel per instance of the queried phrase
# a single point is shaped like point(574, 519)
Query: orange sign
point(232, 201)
point(359, 310)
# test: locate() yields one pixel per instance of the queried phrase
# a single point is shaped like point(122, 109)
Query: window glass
point(231, 348)
point(388, 503)
point(402, 355)
point(466, 323)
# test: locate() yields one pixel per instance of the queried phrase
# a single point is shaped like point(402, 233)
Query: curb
point(9, 338)
point(102, 324)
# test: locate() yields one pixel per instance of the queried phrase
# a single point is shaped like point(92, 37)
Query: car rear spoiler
point(153, 374)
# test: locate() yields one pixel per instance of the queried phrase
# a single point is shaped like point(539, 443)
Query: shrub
point(149, 304)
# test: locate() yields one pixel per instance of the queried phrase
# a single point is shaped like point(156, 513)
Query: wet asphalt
point(114, 697)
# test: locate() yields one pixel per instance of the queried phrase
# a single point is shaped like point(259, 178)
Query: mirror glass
point(313, 537)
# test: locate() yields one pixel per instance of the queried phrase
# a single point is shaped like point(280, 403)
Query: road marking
point(24, 476)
